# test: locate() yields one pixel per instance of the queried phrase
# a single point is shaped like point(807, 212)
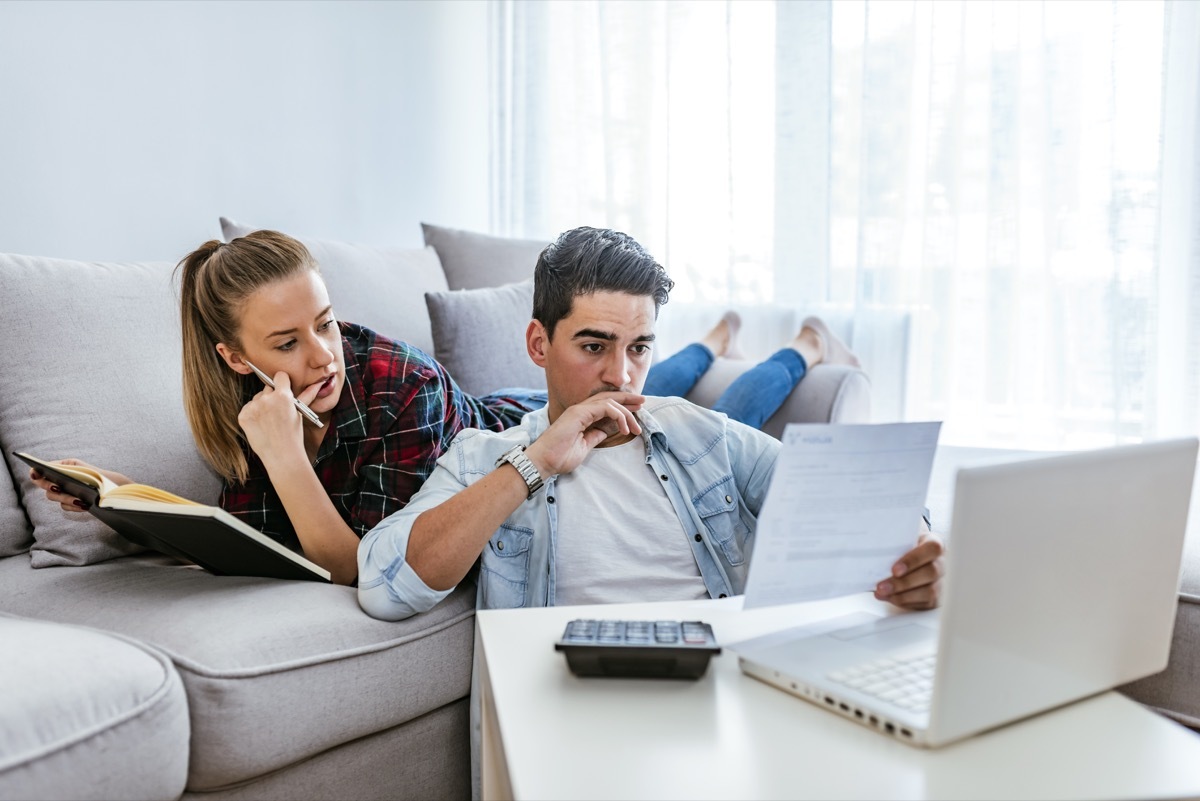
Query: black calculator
point(641, 649)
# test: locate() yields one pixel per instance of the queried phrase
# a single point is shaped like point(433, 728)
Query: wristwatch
point(528, 470)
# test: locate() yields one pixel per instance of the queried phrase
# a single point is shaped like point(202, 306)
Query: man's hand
point(916, 580)
point(565, 444)
point(446, 540)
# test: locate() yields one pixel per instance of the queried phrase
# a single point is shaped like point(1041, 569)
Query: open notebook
point(162, 521)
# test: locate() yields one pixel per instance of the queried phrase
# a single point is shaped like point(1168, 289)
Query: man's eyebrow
point(287, 331)
point(607, 336)
point(592, 333)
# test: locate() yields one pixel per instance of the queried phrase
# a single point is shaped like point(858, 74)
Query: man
point(605, 495)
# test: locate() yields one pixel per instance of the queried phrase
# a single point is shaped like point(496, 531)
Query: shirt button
point(664, 477)
point(500, 545)
point(722, 595)
point(699, 538)
point(728, 499)
point(549, 499)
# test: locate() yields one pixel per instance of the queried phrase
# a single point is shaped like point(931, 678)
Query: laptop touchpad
point(887, 638)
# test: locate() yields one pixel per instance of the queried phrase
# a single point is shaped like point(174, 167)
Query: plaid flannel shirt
point(397, 414)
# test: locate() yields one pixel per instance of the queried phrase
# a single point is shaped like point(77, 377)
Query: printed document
point(844, 504)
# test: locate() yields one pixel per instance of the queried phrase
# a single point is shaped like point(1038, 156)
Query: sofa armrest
point(830, 393)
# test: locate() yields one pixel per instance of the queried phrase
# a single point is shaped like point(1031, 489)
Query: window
point(1016, 179)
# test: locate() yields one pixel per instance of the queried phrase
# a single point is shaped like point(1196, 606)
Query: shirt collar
point(651, 431)
point(350, 415)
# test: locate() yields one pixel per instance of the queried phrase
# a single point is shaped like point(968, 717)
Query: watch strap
point(528, 470)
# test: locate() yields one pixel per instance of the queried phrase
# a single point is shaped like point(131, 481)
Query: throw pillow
point(16, 535)
point(382, 288)
point(474, 261)
point(93, 372)
point(479, 337)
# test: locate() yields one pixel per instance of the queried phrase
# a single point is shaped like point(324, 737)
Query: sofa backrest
point(472, 260)
point(94, 360)
point(465, 298)
point(92, 371)
point(381, 287)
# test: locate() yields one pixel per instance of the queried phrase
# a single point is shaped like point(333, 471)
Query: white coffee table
point(549, 735)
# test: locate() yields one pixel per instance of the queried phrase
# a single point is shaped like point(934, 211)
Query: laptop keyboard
point(906, 682)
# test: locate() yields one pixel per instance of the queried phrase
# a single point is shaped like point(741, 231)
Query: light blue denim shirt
point(715, 471)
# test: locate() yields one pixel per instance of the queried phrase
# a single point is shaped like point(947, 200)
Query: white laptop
point(1062, 577)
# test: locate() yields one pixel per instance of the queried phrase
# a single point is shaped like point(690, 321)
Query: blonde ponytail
point(214, 282)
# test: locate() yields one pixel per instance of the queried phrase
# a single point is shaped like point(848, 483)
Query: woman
point(387, 410)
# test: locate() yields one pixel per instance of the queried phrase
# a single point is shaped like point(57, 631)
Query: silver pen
point(308, 413)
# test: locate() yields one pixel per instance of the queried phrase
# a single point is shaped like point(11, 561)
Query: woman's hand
point(54, 493)
point(273, 427)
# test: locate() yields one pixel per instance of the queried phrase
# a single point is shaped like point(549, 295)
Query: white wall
point(127, 128)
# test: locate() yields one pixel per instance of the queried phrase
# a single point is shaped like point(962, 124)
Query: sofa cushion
point(16, 535)
point(87, 715)
point(275, 671)
point(382, 288)
point(96, 380)
point(479, 337)
point(1175, 692)
point(473, 260)
point(829, 393)
point(424, 759)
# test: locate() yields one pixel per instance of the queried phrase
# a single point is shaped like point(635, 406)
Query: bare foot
point(817, 344)
point(722, 339)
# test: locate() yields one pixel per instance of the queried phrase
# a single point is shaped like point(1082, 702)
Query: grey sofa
point(128, 675)
point(1175, 692)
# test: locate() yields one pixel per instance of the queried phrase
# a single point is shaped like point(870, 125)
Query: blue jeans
point(753, 396)
point(529, 399)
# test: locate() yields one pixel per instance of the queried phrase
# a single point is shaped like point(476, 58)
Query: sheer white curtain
point(1016, 180)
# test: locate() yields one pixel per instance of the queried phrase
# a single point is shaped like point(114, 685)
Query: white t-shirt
point(601, 557)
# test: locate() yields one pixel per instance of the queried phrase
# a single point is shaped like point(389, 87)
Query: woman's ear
point(233, 359)
point(536, 342)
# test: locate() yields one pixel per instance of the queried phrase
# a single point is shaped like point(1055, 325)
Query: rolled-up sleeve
point(388, 587)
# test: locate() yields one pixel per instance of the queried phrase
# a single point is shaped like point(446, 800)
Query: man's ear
point(536, 342)
point(233, 359)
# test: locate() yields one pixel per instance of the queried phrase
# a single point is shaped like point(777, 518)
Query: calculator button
point(610, 631)
point(694, 633)
point(666, 632)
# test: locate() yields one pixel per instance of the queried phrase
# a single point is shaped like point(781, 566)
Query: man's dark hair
point(586, 260)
